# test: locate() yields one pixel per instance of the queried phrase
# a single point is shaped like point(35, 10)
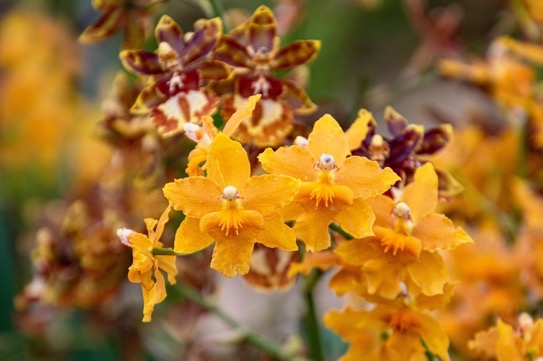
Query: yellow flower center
point(394, 242)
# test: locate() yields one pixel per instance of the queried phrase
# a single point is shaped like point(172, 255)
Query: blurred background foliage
point(51, 89)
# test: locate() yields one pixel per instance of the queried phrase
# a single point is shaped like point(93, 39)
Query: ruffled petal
point(357, 220)
point(382, 207)
point(243, 112)
point(269, 193)
point(436, 231)
point(429, 273)
point(295, 161)
point(195, 196)
point(227, 163)
point(189, 238)
point(320, 260)
point(276, 234)
point(232, 254)
point(327, 137)
point(365, 177)
point(312, 229)
point(383, 276)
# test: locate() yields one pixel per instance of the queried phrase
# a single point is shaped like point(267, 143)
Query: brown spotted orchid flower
point(407, 149)
point(177, 70)
point(253, 50)
point(133, 17)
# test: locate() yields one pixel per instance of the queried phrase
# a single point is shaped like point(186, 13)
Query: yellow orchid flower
point(408, 234)
point(335, 187)
point(146, 267)
point(388, 333)
point(231, 208)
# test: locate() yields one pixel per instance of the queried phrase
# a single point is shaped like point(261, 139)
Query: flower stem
point(218, 10)
point(165, 252)
point(248, 336)
point(336, 228)
point(311, 319)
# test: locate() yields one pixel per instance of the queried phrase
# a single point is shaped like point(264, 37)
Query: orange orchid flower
point(231, 208)
point(335, 187)
point(146, 267)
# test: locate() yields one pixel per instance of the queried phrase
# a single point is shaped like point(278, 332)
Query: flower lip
point(123, 234)
point(230, 193)
point(196, 134)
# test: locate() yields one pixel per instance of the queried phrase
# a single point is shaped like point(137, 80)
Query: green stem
point(248, 336)
point(166, 252)
point(522, 160)
point(311, 319)
point(218, 10)
point(336, 228)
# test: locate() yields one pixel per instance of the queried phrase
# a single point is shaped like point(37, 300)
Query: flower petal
point(429, 273)
point(294, 161)
point(262, 29)
point(421, 194)
point(359, 129)
point(189, 238)
point(214, 70)
point(297, 97)
point(148, 99)
point(276, 234)
point(328, 137)
point(312, 229)
point(195, 196)
point(230, 51)
point(227, 163)
point(357, 220)
point(320, 260)
point(107, 25)
point(268, 193)
point(436, 231)
point(232, 253)
point(141, 61)
point(365, 177)
point(168, 31)
point(243, 112)
point(382, 207)
point(295, 54)
point(384, 276)
point(202, 41)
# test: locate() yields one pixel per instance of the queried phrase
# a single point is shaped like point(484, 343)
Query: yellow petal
point(195, 196)
point(312, 229)
point(384, 276)
point(189, 238)
point(486, 342)
point(382, 206)
point(269, 193)
point(243, 112)
point(429, 273)
point(168, 265)
point(433, 335)
point(508, 347)
point(276, 234)
point(349, 279)
point(357, 251)
point(436, 231)
point(357, 220)
point(421, 195)
point(227, 163)
point(327, 137)
point(365, 177)
point(319, 260)
point(232, 254)
point(359, 129)
point(295, 161)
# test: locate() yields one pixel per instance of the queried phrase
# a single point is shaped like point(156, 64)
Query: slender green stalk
point(248, 336)
point(311, 320)
point(336, 228)
point(166, 252)
point(522, 157)
point(218, 10)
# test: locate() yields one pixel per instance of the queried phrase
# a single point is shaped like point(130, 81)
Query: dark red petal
point(108, 24)
point(141, 61)
point(297, 98)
